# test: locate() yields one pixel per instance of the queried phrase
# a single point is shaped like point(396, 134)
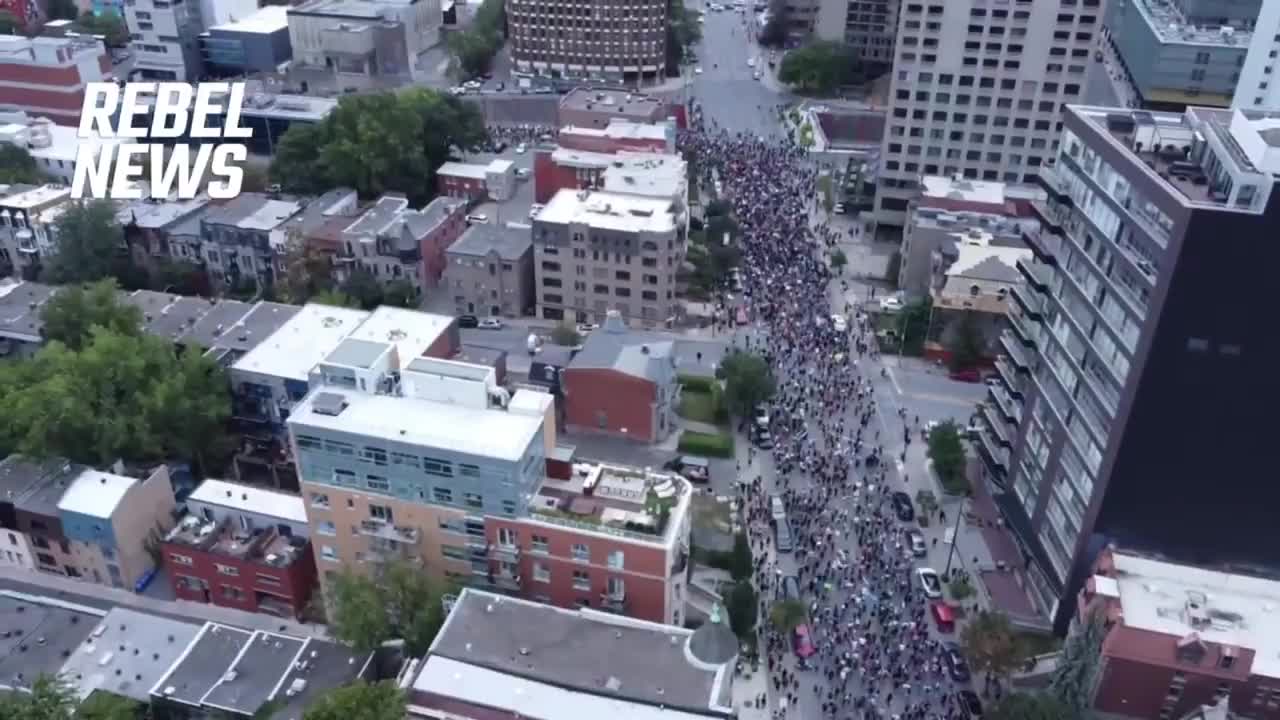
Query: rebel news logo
point(143, 116)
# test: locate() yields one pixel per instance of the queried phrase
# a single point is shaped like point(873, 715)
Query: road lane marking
point(893, 379)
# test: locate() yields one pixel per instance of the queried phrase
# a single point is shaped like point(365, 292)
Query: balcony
point(1045, 245)
point(1025, 333)
point(997, 458)
point(1008, 376)
point(387, 531)
point(614, 602)
point(509, 553)
point(507, 582)
point(1009, 409)
point(1034, 273)
point(1032, 305)
point(1015, 352)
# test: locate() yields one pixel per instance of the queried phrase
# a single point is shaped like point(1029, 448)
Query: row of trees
point(683, 32)
point(378, 143)
point(103, 390)
point(473, 49)
point(822, 67)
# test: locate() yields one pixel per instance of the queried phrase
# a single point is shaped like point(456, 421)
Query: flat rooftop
point(506, 242)
point(127, 652)
point(652, 174)
point(301, 342)
point(620, 102)
point(209, 656)
point(96, 493)
point(20, 305)
point(270, 19)
point(250, 498)
point(959, 188)
point(39, 635)
point(252, 680)
point(611, 211)
point(36, 197)
point(1239, 610)
point(474, 171)
point(1171, 25)
point(619, 129)
point(601, 665)
point(156, 214)
point(283, 106)
point(614, 498)
point(506, 435)
point(413, 332)
point(253, 211)
point(219, 316)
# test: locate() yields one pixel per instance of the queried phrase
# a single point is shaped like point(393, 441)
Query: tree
point(1073, 678)
point(9, 24)
point(991, 645)
point(742, 609)
point(361, 701)
point(927, 502)
point(363, 287)
point(399, 601)
point(683, 32)
point(913, 322)
point(839, 260)
point(189, 407)
point(307, 271)
point(336, 298)
point(89, 243)
point(104, 705)
point(947, 454)
point(966, 347)
point(774, 33)
point(748, 381)
point(740, 563)
point(821, 67)
point(787, 615)
point(473, 49)
point(74, 310)
point(1030, 706)
point(49, 699)
point(16, 164)
point(108, 23)
point(400, 293)
point(566, 335)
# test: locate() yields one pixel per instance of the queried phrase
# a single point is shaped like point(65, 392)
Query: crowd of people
point(872, 653)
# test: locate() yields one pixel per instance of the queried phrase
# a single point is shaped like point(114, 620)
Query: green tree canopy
point(748, 381)
point(399, 601)
point(740, 563)
point(361, 701)
point(363, 287)
point(742, 610)
point(821, 67)
point(948, 457)
point(566, 335)
point(337, 298)
point(378, 143)
point(1030, 706)
point(122, 396)
point(400, 293)
point(49, 699)
point(74, 310)
point(991, 645)
point(16, 164)
point(839, 260)
point(103, 705)
point(107, 23)
point(683, 32)
point(787, 615)
point(9, 24)
point(473, 49)
point(1073, 678)
point(966, 346)
point(90, 244)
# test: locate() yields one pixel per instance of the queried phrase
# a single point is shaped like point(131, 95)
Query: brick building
point(1180, 637)
point(626, 172)
point(618, 134)
point(242, 547)
point(599, 107)
point(46, 76)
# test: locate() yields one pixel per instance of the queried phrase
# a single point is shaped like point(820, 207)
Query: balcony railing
point(556, 518)
point(1009, 409)
point(507, 582)
point(1031, 303)
point(1045, 245)
point(505, 552)
point(1034, 274)
point(387, 531)
point(1013, 350)
point(1023, 331)
point(1008, 376)
point(613, 601)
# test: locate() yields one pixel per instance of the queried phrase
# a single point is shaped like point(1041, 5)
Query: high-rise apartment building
point(978, 89)
point(1137, 378)
point(47, 76)
point(1257, 88)
point(589, 39)
point(868, 26)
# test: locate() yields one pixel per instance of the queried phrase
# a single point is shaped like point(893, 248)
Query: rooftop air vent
point(331, 404)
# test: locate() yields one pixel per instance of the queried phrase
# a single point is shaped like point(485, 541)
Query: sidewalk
point(34, 583)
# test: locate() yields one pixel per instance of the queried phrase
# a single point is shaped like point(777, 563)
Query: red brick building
point(439, 224)
point(461, 180)
point(620, 135)
point(568, 551)
point(623, 384)
point(46, 76)
point(242, 547)
point(1181, 637)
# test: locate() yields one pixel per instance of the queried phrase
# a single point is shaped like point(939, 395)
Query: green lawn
point(706, 444)
point(697, 406)
point(1039, 643)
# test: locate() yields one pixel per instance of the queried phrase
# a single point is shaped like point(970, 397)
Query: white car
point(521, 148)
point(891, 304)
point(585, 328)
point(930, 583)
point(477, 218)
point(751, 62)
point(757, 75)
point(472, 84)
point(839, 323)
point(697, 70)
point(491, 323)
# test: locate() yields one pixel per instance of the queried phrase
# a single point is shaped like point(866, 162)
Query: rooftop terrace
point(265, 546)
point(622, 501)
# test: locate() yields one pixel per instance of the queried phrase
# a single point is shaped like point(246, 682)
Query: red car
point(802, 642)
point(970, 376)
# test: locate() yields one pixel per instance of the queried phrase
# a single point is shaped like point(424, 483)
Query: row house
point(28, 215)
point(243, 239)
point(242, 547)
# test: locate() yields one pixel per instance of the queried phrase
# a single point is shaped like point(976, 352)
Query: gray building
point(1182, 52)
point(256, 44)
point(489, 270)
point(243, 239)
point(1137, 379)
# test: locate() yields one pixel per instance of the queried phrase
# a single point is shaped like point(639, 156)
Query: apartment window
point(268, 580)
point(539, 544)
point(181, 559)
point(377, 483)
point(442, 495)
point(229, 570)
point(432, 466)
point(581, 580)
point(328, 553)
point(581, 552)
point(326, 527)
point(320, 500)
point(380, 512)
point(616, 560)
point(541, 573)
point(453, 552)
point(473, 500)
point(377, 456)
point(507, 537)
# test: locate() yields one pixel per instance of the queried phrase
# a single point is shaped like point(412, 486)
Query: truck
point(534, 343)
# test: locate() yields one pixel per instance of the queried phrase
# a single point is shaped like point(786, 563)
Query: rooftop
point(852, 127)
point(350, 9)
point(413, 332)
point(155, 214)
point(1218, 607)
point(36, 197)
point(507, 435)
point(361, 354)
point(96, 493)
point(210, 654)
point(250, 498)
point(259, 324)
point(619, 129)
point(255, 676)
point(37, 485)
point(621, 102)
point(479, 355)
point(36, 638)
point(301, 342)
point(20, 309)
point(484, 238)
point(652, 174)
point(633, 352)
point(540, 660)
point(986, 262)
point(253, 211)
point(169, 316)
point(612, 499)
point(959, 188)
point(219, 316)
point(305, 108)
point(270, 19)
point(127, 653)
point(611, 211)
point(429, 218)
point(1171, 25)
point(226, 538)
point(377, 218)
point(475, 171)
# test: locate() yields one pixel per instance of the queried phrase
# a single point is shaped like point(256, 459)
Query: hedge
point(696, 443)
point(696, 383)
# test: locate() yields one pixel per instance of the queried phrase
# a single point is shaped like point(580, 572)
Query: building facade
point(246, 236)
point(110, 521)
point(1255, 90)
point(597, 251)
point(258, 43)
point(1126, 313)
point(490, 271)
point(28, 231)
point(47, 76)
point(615, 135)
point(354, 38)
point(867, 26)
point(1182, 52)
point(596, 50)
point(979, 91)
point(242, 547)
point(165, 39)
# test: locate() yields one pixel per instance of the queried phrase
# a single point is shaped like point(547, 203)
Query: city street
point(725, 89)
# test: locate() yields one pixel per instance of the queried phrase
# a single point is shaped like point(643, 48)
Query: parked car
point(802, 642)
point(762, 438)
point(902, 506)
point(491, 323)
point(890, 304)
point(477, 219)
point(957, 668)
point(692, 467)
point(790, 588)
point(929, 582)
point(915, 541)
point(969, 705)
point(468, 321)
point(969, 375)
